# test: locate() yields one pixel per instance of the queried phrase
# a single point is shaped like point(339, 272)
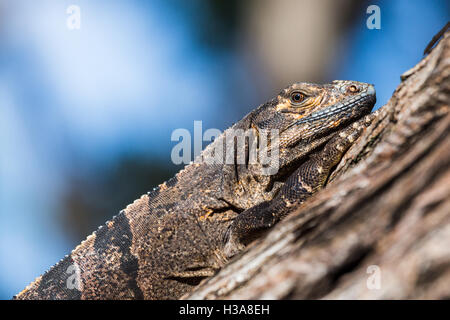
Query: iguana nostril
point(371, 90)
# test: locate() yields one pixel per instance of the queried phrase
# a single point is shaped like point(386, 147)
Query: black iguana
point(167, 241)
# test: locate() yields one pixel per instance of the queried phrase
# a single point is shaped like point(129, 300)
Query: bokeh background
point(86, 115)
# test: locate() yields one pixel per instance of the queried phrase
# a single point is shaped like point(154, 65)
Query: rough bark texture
point(385, 215)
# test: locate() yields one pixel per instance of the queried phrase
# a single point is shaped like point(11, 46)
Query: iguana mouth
point(364, 99)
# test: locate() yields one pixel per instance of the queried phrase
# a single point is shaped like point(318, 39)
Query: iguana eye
point(297, 97)
point(352, 89)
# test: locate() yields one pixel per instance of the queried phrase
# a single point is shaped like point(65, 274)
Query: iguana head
point(305, 111)
point(306, 114)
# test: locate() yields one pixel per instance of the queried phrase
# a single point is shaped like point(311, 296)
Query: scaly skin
point(167, 241)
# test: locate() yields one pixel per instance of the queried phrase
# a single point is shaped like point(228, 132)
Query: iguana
point(186, 229)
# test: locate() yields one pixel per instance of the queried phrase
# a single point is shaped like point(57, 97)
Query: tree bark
point(381, 228)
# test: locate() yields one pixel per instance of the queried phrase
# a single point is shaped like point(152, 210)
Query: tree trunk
point(381, 228)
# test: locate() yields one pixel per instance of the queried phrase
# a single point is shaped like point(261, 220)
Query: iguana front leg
point(311, 176)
